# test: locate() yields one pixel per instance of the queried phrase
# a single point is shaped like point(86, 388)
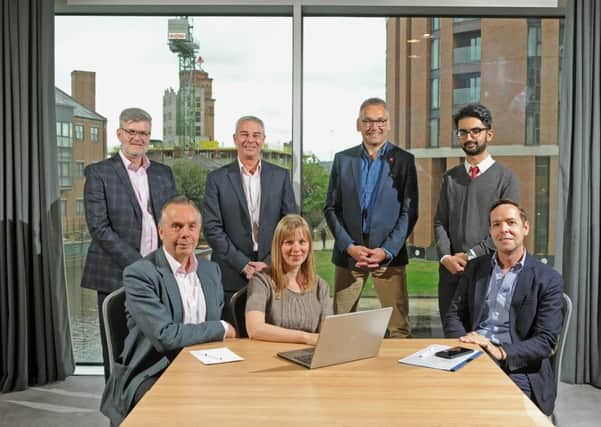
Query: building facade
point(436, 65)
point(190, 111)
point(81, 140)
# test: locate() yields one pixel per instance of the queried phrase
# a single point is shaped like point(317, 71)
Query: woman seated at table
point(287, 301)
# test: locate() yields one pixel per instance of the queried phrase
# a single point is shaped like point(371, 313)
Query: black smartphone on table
point(453, 352)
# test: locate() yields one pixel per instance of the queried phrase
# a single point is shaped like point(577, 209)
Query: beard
point(478, 148)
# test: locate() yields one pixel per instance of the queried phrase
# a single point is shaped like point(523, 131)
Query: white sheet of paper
point(213, 356)
point(428, 359)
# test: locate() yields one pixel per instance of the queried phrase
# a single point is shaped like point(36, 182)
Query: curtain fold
point(579, 213)
point(35, 338)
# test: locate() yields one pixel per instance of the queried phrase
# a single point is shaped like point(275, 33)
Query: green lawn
point(422, 276)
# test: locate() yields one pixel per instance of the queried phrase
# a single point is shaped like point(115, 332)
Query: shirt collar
point(129, 164)
point(177, 267)
point(516, 267)
point(482, 166)
point(381, 152)
point(243, 169)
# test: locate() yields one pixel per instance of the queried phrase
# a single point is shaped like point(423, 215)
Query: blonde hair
point(306, 274)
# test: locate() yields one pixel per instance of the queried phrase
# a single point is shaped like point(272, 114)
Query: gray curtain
point(579, 212)
point(35, 340)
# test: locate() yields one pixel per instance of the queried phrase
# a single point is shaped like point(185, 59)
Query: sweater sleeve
point(441, 221)
point(259, 292)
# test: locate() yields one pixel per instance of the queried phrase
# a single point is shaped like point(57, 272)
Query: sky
point(250, 62)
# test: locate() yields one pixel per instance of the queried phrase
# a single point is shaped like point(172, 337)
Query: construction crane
point(181, 42)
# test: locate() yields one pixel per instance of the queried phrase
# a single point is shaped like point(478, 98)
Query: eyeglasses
point(378, 122)
point(132, 133)
point(474, 132)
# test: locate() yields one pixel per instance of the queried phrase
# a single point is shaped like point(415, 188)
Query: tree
point(190, 179)
point(315, 186)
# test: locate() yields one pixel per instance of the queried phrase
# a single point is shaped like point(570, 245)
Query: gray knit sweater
point(461, 220)
point(291, 310)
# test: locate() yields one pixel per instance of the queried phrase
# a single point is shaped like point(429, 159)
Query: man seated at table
point(173, 299)
point(511, 305)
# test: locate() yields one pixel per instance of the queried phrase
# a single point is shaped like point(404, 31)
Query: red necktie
point(474, 171)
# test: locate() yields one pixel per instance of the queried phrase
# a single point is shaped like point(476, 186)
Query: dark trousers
point(447, 285)
point(105, 353)
point(142, 389)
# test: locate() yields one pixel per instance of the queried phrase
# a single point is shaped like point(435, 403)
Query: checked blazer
point(114, 218)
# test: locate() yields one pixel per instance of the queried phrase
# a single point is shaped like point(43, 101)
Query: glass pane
point(239, 66)
point(336, 81)
point(507, 65)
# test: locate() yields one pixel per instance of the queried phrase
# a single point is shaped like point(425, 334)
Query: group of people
point(144, 238)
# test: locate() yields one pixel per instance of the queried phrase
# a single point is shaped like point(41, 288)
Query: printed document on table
point(213, 356)
point(428, 359)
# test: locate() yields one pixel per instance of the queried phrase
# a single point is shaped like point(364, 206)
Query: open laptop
point(344, 338)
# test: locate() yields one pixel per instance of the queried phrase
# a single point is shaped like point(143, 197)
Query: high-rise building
point(81, 140)
point(197, 87)
point(436, 65)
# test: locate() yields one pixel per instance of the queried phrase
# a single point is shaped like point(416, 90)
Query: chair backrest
point(115, 324)
point(557, 357)
point(238, 310)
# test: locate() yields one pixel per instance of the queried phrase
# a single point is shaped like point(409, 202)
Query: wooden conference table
point(265, 390)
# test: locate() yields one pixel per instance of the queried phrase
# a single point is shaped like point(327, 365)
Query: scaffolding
point(181, 42)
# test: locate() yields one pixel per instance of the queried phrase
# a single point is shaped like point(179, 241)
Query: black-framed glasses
point(474, 132)
point(132, 133)
point(378, 122)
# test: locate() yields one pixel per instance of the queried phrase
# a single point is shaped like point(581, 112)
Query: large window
point(65, 154)
point(425, 67)
point(194, 97)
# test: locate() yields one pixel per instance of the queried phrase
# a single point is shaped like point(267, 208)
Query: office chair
point(115, 324)
point(238, 309)
point(557, 356)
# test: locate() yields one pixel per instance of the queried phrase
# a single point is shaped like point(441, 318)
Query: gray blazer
point(226, 220)
point(156, 332)
point(114, 218)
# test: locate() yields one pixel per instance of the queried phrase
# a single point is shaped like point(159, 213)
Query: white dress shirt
point(139, 181)
point(251, 183)
point(483, 166)
point(190, 289)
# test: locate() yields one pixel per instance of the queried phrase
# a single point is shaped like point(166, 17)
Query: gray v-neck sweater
point(461, 220)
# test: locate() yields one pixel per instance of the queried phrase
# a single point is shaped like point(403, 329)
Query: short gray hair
point(179, 200)
point(250, 119)
point(372, 101)
point(134, 115)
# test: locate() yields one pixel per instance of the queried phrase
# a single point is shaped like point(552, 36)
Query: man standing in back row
point(243, 203)
point(371, 208)
point(123, 197)
point(467, 193)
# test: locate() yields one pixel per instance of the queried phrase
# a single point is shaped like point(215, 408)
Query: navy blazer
point(395, 206)
point(535, 319)
point(157, 333)
point(226, 219)
point(114, 218)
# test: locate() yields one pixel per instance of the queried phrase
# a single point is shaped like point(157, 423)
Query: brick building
point(436, 65)
point(81, 140)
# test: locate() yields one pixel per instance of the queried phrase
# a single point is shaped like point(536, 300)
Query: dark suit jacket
point(226, 219)
point(535, 320)
point(395, 207)
point(114, 218)
point(156, 332)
